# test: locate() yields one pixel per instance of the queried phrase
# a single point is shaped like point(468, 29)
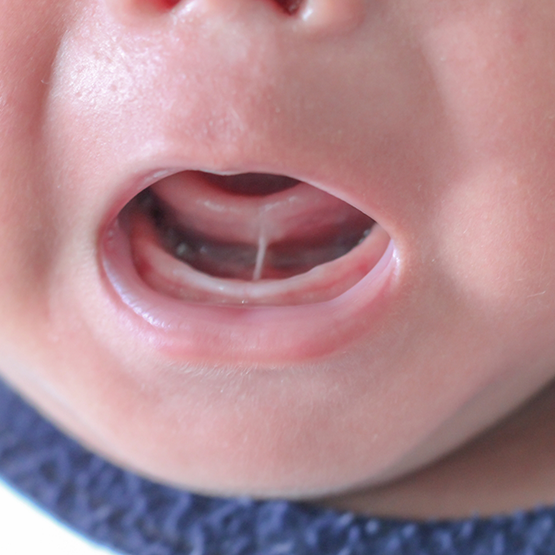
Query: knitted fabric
point(135, 516)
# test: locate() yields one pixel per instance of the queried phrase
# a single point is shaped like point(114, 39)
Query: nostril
point(289, 6)
point(169, 4)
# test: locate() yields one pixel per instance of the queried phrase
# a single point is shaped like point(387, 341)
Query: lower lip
point(207, 333)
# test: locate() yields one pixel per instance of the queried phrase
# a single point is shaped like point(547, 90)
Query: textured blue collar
point(139, 517)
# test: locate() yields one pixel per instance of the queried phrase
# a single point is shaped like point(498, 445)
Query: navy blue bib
point(133, 515)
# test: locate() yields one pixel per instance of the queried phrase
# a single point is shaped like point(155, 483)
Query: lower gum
point(165, 274)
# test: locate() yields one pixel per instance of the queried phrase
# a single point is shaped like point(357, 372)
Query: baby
point(295, 249)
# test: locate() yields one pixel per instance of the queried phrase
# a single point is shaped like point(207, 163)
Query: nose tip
point(324, 16)
point(331, 16)
point(316, 15)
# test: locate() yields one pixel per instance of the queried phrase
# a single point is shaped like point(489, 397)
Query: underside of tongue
point(251, 227)
point(251, 184)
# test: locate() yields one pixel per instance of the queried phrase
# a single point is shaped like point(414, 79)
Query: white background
point(26, 530)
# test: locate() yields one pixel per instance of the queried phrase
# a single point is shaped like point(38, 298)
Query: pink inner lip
point(195, 311)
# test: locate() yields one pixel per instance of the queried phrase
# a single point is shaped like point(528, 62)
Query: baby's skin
point(379, 293)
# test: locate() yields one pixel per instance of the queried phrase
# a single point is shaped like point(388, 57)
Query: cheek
point(497, 247)
point(29, 34)
point(493, 238)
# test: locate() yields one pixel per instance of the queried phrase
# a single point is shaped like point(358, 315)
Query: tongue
point(250, 211)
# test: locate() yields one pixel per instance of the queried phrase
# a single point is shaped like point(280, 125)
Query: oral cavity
point(247, 239)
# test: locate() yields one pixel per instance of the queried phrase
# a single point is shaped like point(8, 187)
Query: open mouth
point(248, 239)
point(247, 267)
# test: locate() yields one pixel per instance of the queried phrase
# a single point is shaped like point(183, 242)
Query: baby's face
point(385, 298)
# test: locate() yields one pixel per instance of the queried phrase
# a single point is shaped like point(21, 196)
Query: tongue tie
point(260, 256)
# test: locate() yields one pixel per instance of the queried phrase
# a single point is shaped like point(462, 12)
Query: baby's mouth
point(248, 239)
